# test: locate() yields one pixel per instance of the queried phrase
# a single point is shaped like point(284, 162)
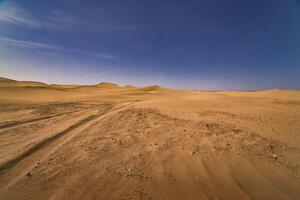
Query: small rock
point(28, 174)
point(275, 156)
point(192, 152)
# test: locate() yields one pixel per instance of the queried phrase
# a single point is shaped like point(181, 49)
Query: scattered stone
point(275, 156)
point(28, 174)
point(155, 144)
point(192, 152)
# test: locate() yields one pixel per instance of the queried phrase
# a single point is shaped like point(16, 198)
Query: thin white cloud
point(12, 14)
point(26, 44)
point(106, 56)
point(15, 15)
point(62, 21)
point(37, 45)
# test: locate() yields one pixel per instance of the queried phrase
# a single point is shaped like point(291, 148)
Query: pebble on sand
point(275, 156)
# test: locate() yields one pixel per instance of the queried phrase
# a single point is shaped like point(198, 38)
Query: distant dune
point(4, 82)
point(107, 85)
point(153, 88)
point(130, 87)
point(65, 86)
point(2, 79)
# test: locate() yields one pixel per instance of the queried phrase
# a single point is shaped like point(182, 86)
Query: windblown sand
point(110, 143)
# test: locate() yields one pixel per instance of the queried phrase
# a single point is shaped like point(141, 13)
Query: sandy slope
point(110, 142)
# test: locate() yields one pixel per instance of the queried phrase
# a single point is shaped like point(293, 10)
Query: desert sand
point(110, 142)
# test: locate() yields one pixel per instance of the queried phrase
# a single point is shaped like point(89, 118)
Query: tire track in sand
point(24, 122)
point(86, 122)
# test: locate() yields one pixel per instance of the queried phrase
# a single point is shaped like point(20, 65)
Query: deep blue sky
point(197, 44)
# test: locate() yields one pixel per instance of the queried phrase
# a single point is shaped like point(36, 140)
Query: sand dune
point(153, 88)
point(111, 142)
point(5, 82)
point(130, 87)
point(106, 85)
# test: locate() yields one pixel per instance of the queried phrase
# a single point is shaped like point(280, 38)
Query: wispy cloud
point(11, 14)
point(48, 47)
point(14, 15)
point(63, 21)
point(25, 44)
point(105, 56)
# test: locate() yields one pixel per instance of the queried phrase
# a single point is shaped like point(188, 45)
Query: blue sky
point(197, 44)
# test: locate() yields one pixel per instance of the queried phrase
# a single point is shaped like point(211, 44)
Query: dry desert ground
point(110, 142)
